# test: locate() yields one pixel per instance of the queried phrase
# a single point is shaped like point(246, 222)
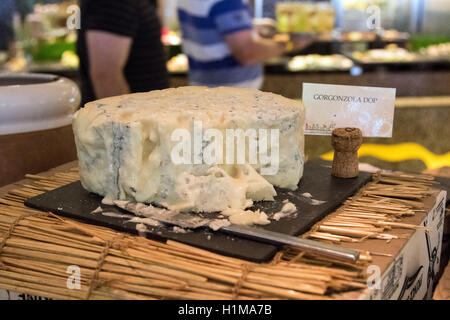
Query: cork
point(346, 142)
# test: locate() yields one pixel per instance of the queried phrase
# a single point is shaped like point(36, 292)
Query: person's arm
point(248, 49)
point(111, 26)
point(160, 11)
point(108, 54)
point(233, 20)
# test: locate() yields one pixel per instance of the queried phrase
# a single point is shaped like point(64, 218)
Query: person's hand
point(295, 42)
point(265, 27)
point(301, 41)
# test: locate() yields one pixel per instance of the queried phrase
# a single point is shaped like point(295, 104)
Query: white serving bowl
point(35, 124)
point(34, 102)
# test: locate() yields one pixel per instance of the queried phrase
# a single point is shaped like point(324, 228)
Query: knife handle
point(276, 238)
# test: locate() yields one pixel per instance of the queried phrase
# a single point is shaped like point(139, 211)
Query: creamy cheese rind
point(124, 147)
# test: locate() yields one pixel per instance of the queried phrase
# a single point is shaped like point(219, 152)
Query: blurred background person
point(7, 10)
point(222, 46)
point(120, 49)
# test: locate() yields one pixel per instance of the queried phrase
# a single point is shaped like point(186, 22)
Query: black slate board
point(74, 202)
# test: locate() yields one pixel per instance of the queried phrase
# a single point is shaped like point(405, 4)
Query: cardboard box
point(411, 272)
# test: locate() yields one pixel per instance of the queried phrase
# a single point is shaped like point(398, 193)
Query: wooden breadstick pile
point(378, 208)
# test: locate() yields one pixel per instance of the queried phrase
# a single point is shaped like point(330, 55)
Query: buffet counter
point(409, 81)
point(286, 74)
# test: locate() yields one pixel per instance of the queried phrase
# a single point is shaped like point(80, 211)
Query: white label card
point(328, 107)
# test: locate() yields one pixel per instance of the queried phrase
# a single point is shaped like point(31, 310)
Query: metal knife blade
point(190, 221)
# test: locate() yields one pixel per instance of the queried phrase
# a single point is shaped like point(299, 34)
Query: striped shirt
point(145, 69)
point(204, 26)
